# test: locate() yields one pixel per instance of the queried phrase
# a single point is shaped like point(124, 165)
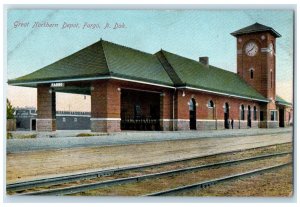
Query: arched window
point(211, 104)
point(242, 111)
point(249, 112)
point(254, 113)
point(251, 73)
point(192, 105)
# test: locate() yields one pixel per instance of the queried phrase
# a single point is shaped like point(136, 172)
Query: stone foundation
point(206, 124)
point(254, 124)
point(220, 124)
point(182, 125)
point(45, 125)
point(272, 124)
point(268, 124)
point(105, 125)
point(242, 124)
point(166, 125)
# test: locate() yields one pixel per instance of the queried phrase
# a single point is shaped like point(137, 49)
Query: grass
point(21, 136)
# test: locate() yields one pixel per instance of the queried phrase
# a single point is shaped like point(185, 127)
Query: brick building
point(134, 90)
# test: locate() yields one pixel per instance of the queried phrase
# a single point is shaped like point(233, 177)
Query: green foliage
point(10, 110)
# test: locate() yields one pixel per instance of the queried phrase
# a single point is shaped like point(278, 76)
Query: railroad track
point(205, 184)
point(19, 186)
point(95, 185)
point(90, 175)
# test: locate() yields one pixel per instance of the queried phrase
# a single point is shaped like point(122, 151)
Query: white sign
point(56, 85)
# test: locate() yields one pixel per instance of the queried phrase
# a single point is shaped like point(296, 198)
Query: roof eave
point(236, 33)
point(34, 83)
point(224, 94)
point(284, 104)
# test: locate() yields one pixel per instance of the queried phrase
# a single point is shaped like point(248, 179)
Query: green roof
point(106, 60)
point(281, 101)
point(87, 62)
point(194, 74)
point(133, 64)
point(255, 28)
point(102, 59)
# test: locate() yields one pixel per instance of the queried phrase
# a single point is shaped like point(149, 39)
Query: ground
point(53, 162)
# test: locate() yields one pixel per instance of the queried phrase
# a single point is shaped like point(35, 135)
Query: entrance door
point(226, 116)
point(192, 114)
point(33, 124)
point(281, 117)
point(249, 117)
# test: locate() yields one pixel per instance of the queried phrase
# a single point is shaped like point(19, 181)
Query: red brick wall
point(203, 112)
point(46, 103)
point(105, 99)
point(46, 108)
point(262, 62)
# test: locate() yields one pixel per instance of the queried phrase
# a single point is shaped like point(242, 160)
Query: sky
point(189, 33)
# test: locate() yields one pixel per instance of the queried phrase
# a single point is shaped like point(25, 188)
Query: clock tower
point(256, 61)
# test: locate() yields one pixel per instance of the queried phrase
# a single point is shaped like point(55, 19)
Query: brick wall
point(206, 115)
point(46, 108)
point(105, 106)
point(261, 63)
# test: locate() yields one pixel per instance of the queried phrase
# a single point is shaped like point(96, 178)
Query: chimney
point(204, 61)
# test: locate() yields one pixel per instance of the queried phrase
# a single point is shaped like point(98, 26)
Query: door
point(249, 117)
point(281, 117)
point(33, 124)
point(226, 116)
point(193, 117)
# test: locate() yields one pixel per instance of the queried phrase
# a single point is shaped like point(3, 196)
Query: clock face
point(251, 49)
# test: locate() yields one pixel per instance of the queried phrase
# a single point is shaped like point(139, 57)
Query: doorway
point(281, 117)
point(33, 124)
point(193, 114)
point(226, 116)
point(249, 117)
point(140, 110)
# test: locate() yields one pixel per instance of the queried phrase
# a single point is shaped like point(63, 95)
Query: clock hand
point(251, 49)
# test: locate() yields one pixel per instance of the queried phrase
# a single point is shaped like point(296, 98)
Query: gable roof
point(104, 59)
point(255, 28)
point(196, 75)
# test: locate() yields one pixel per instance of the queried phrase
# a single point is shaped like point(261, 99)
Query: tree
point(10, 110)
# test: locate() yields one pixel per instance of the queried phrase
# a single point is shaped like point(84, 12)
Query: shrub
point(10, 110)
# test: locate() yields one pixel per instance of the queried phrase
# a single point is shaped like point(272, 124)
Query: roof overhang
point(283, 104)
point(224, 94)
point(34, 84)
point(37, 82)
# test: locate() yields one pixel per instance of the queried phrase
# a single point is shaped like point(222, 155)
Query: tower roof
point(255, 28)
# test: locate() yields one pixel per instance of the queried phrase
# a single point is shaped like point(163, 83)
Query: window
point(210, 104)
point(192, 105)
point(242, 115)
point(254, 113)
point(273, 115)
point(75, 119)
point(64, 119)
point(251, 73)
